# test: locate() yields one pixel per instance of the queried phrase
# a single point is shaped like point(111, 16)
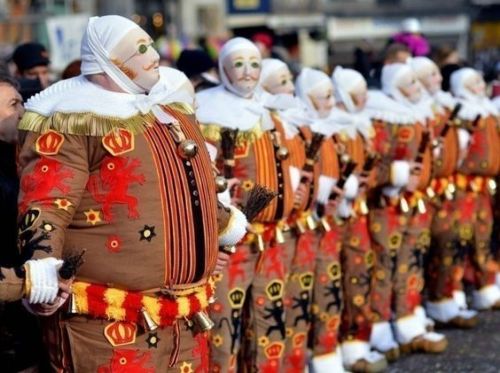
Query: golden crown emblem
point(49, 143)
point(120, 333)
point(119, 141)
point(236, 297)
point(334, 271)
point(274, 350)
point(306, 280)
point(274, 289)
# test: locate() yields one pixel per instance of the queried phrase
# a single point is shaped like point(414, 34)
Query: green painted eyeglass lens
point(143, 48)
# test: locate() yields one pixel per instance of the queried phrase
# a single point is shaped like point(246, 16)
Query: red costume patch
point(128, 361)
point(110, 187)
point(47, 175)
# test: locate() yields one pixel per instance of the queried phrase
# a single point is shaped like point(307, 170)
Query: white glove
point(44, 280)
point(235, 230)
point(463, 138)
point(351, 187)
point(400, 173)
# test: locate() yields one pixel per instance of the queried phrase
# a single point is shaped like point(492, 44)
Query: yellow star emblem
point(186, 367)
point(63, 204)
point(93, 216)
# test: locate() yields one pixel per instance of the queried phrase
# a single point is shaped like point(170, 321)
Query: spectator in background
point(72, 70)
point(410, 35)
point(20, 341)
point(199, 68)
point(446, 55)
point(32, 68)
point(264, 42)
point(396, 53)
point(32, 62)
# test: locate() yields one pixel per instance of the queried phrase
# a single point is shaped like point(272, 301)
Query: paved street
point(476, 350)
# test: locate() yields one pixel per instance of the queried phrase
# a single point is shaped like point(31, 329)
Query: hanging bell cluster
point(220, 184)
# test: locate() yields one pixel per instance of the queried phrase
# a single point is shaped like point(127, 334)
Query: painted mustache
point(151, 66)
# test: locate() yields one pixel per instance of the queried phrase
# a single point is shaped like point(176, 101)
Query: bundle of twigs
point(259, 198)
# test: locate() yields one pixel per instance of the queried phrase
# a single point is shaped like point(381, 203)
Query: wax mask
point(280, 82)
point(431, 79)
point(410, 87)
point(475, 83)
point(359, 95)
point(135, 57)
point(322, 98)
point(242, 68)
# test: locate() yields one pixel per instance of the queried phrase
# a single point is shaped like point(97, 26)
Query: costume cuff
point(235, 229)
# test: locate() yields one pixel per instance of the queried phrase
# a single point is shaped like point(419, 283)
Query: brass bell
point(403, 204)
point(344, 158)
point(260, 242)
point(430, 192)
point(300, 227)
point(149, 323)
point(311, 223)
point(325, 225)
point(282, 153)
point(421, 206)
point(72, 306)
point(279, 235)
point(187, 149)
point(220, 184)
point(363, 207)
point(203, 321)
point(492, 186)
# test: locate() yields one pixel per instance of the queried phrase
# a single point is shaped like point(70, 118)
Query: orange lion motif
point(111, 186)
point(47, 175)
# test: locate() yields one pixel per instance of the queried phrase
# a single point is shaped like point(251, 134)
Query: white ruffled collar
point(379, 106)
point(473, 106)
point(220, 107)
point(79, 95)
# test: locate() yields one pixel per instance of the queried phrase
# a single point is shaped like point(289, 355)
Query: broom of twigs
point(228, 143)
point(312, 152)
point(71, 265)
point(258, 199)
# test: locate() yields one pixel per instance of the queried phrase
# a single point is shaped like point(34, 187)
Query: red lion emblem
point(47, 175)
point(127, 361)
point(115, 177)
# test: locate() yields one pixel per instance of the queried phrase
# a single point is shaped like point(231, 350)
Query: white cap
point(411, 25)
point(344, 81)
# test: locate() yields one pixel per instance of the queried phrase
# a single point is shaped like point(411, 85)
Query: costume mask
point(322, 98)
point(475, 83)
point(135, 56)
point(410, 87)
point(242, 70)
point(280, 82)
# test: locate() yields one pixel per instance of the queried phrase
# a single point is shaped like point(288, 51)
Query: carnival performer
point(399, 219)
point(315, 89)
point(356, 137)
point(251, 151)
point(113, 161)
point(277, 94)
point(450, 143)
point(475, 184)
